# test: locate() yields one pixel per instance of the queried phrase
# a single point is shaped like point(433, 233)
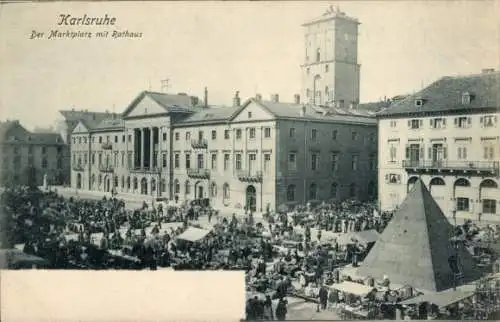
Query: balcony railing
point(145, 170)
point(199, 144)
point(489, 167)
point(249, 176)
point(107, 146)
point(77, 167)
point(198, 173)
point(106, 168)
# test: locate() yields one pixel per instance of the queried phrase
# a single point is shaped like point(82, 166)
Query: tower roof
point(415, 247)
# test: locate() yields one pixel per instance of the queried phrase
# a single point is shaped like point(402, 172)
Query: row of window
point(334, 134)
point(102, 139)
point(31, 149)
point(227, 134)
point(16, 162)
point(314, 161)
point(291, 191)
point(437, 152)
point(489, 206)
point(458, 122)
point(200, 161)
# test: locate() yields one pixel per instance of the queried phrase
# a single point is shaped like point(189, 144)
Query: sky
point(250, 47)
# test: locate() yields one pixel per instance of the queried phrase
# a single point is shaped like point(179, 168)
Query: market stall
point(357, 298)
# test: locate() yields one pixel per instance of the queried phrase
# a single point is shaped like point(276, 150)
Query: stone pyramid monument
point(416, 248)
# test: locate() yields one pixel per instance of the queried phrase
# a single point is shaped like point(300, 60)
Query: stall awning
point(364, 236)
point(352, 288)
point(193, 234)
point(441, 299)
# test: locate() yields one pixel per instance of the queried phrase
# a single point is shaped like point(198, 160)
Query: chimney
point(488, 70)
point(296, 98)
point(236, 99)
point(205, 98)
point(258, 97)
point(302, 110)
point(275, 98)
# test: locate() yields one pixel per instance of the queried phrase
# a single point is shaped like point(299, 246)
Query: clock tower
point(330, 72)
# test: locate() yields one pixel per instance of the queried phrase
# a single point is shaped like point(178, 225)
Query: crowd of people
point(297, 253)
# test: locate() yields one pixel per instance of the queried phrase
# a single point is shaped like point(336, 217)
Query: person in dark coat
point(281, 310)
point(323, 297)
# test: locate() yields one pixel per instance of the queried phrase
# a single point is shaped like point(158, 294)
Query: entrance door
point(107, 184)
point(79, 181)
point(251, 198)
point(200, 192)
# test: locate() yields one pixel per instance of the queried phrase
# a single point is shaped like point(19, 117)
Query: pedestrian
point(268, 309)
point(281, 310)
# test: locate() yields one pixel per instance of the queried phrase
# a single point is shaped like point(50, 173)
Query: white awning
point(441, 299)
point(193, 234)
point(352, 288)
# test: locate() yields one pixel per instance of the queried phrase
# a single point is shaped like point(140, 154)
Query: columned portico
point(143, 145)
point(151, 146)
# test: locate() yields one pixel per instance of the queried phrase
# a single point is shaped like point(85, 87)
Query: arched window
point(488, 183)
point(290, 193)
point(188, 188)
point(100, 180)
point(153, 185)
point(123, 182)
point(326, 91)
point(333, 190)
point(318, 55)
point(352, 190)
point(177, 186)
point(317, 90)
point(437, 182)
point(128, 182)
point(163, 185)
point(92, 180)
point(462, 183)
point(225, 191)
point(213, 190)
point(136, 184)
point(115, 181)
point(313, 191)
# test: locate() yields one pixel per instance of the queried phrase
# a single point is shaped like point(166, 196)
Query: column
point(143, 144)
point(152, 146)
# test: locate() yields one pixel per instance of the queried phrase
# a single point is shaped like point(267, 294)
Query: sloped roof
point(445, 95)
point(112, 123)
point(75, 116)
point(25, 136)
point(415, 246)
point(193, 234)
point(210, 114)
point(313, 112)
point(170, 102)
point(90, 119)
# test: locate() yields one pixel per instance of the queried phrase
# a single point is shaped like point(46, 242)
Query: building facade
point(26, 157)
point(260, 154)
point(330, 72)
point(449, 136)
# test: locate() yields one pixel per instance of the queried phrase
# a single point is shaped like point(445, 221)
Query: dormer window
point(466, 98)
point(419, 102)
